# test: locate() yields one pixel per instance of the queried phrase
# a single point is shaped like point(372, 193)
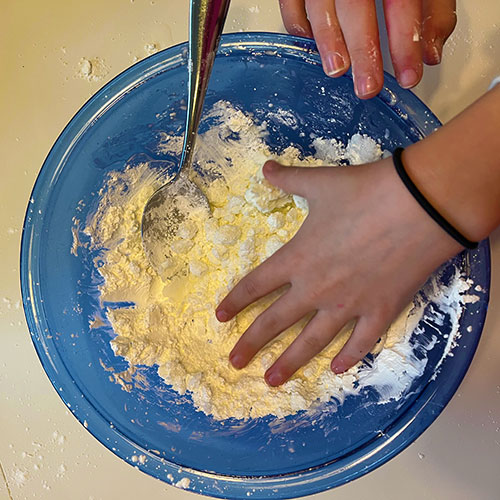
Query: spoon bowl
point(170, 204)
point(164, 213)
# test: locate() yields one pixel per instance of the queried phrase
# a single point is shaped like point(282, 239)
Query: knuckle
point(323, 292)
point(250, 287)
point(365, 54)
point(325, 32)
point(268, 321)
point(313, 343)
point(316, 294)
point(296, 28)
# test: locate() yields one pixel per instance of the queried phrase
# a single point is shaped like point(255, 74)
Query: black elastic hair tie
point(454, 233)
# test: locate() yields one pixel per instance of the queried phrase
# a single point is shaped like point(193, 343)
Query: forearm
point(458, 168)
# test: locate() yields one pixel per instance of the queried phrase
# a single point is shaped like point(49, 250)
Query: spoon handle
point(207, 19)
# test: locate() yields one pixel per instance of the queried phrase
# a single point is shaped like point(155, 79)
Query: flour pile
point(172, 323)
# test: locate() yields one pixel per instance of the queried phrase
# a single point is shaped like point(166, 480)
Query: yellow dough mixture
point(173, 324)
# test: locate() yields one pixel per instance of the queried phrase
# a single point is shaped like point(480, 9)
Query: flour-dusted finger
point(282, 314)
point(328, 36)
point(358, 20)
point(439, 21)
point(293, 13)
point(404, 29)
point(317, 334)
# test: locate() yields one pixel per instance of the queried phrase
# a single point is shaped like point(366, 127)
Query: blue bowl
point(156, 429)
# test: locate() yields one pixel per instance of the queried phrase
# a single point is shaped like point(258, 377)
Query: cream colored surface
point(44, 452)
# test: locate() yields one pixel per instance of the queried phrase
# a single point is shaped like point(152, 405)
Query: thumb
point(294, 180)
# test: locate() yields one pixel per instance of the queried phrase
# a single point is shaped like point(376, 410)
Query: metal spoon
point(168, 206)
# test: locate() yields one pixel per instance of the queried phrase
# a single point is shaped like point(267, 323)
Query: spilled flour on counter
point(92, 69)
point(172, 324)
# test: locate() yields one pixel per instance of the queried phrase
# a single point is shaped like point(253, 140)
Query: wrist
point(412, 227)
point(429, 208)
point(444, 182)
point(429, 172)
point(457, 168)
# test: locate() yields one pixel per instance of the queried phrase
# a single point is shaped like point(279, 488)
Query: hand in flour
point(346, 33)
point(363, 251)
point(366, 245)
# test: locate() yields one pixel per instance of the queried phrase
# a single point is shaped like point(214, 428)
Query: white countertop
point(44, 452)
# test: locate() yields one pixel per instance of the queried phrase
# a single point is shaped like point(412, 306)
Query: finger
point(439, 21)
point(264, 279)
point(293, 13)
point(403, 21)
point(359, 25)
point(328, 36)
point(365, 335)
point(296, 180)
point(314, 338)
point(282, 314)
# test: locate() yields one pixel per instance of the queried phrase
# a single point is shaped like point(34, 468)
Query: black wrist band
point(400, 169)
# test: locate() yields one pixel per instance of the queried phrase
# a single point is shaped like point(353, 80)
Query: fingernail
point(269, 166)
point(437, 50)
point(364, 85)
point(273, 379)
point(337, 367)
point(334, 63)
point(237, 361)
point(221, 315)
point(408, 78)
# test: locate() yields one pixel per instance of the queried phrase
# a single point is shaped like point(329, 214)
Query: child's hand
point(346, 33)
point(363, 251)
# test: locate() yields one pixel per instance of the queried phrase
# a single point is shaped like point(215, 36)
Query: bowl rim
point(420, 414)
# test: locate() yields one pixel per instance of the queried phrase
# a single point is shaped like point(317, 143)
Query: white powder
point(151, 48)
point(58, 438)
point(173, 324)
point(138, 458)
point(92, 69)
point(61, 471)
point(19, 477)
point(183, 483)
